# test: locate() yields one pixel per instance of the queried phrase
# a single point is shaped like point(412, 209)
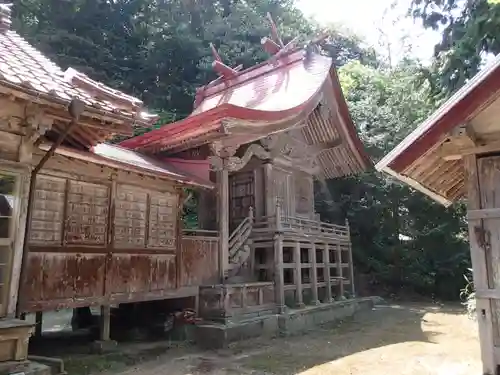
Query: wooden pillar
point(314, 274)
point(105, 323)
point(270, 199)
point(340, 270)
point(479, 268)
point(38, 323)
point(279, 278)
point(351, 264)
point(223, 211)
point(298, 275)
point(326, 272)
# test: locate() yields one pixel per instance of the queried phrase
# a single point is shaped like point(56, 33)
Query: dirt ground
point(407, 339)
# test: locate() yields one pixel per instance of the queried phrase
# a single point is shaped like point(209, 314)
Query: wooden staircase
point(240, 245)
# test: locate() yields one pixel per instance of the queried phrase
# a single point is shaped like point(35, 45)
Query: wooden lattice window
point(48, 210)
point(87, 213)
point(130, 217)
point(162, 220)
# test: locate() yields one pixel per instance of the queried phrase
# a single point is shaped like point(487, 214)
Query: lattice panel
point(48, 210)
point(241, 195)
point(131, 207)
point(87, 213)
point(304, 195)
point(162, 220)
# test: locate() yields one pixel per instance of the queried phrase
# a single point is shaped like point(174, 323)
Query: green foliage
point(469, 32)
point(401, 239)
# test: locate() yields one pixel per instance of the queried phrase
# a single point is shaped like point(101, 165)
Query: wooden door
point(483, 176)
point(241, 197)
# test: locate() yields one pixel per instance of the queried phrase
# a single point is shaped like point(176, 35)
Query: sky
point(377, 23)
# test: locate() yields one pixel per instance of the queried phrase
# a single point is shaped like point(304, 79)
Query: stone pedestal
point(14, 339)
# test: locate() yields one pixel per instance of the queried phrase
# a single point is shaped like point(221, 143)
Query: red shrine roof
point(27, 74)
point(419, 160)
point(295, 88)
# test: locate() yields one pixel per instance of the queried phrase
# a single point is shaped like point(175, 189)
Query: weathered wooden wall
point(104, 236)
point(199, 260)
point(20, 125)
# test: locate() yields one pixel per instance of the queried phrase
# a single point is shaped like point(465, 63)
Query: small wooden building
point(81, 222)
point(268, 132)
point(455, 154)
point(106, 229)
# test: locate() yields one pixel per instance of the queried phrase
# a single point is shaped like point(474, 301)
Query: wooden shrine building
point(455, 154)
point(268, 132)
point(85, 223)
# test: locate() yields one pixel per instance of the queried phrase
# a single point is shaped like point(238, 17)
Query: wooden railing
point(240, 235)
point(300, 225)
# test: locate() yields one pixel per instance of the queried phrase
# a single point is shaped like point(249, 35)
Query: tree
point(401, 239)
point(470, 31)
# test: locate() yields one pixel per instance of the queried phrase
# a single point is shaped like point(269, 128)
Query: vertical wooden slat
point(298, 274)
point(314, 273)
point(327, 277)
point(480, 273)
point(351, 264)
point(65, 213)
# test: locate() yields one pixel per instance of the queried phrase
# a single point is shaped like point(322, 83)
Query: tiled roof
point(25, 67)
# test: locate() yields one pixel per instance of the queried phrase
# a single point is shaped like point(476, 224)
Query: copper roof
point(272, 96)
point(117, 157)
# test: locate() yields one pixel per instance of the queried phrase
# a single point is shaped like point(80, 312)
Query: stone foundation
point(218, 335)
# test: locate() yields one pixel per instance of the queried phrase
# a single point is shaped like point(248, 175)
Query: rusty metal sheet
point(199, 260)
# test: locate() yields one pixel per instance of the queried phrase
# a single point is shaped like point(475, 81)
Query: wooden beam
point(450, 151)
point(465, 136)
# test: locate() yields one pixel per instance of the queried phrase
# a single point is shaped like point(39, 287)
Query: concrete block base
point(216, 335)
point(298, 321)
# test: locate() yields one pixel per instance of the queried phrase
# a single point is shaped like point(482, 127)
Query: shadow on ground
point(371, 342)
